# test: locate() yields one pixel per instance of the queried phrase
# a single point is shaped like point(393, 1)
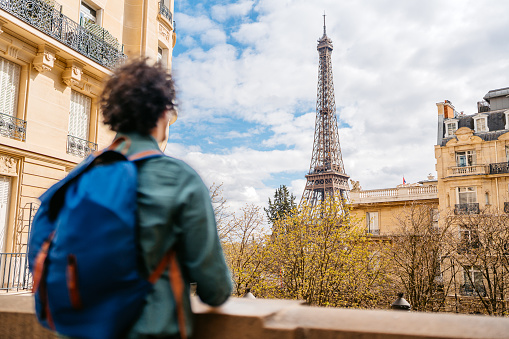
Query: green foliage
point(283, 205)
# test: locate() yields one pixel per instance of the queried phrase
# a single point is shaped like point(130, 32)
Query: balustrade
point(48, 19)
point(12, 127)
point(80, 147)
point(165, 12)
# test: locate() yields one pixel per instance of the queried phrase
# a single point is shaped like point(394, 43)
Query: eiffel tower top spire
point(324, 30)
point(327, 176)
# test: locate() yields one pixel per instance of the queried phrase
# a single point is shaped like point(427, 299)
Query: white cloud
point(392, 61)
point(224, 12)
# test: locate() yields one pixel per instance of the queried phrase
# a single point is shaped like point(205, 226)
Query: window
point(450, 127)
point(9, 86)
point(466, 158)
point(481, 123)
point(87, 14)
point(473, 278)
point(5, 187)
point(487, 198)
point(506, 119)
point(162, 56)
point(372, 222)
point(469, 238)
point(435, 216)
point(467, 195)
point(159, 54)
point(79, 115)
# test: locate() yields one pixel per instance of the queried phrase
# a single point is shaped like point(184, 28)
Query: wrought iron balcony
point(12, 127)
point(499, 168)
point(474, 291)
point(506, 207)
point(165, 12)
point(80, 147)
point(472, 208)
point(49, 20)
point(14, 273)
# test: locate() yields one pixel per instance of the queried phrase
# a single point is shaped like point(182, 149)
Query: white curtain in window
point(9, 84)
point(5, 188)
point(79, 115)
point(372, 221)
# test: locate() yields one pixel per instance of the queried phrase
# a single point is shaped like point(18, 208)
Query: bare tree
point(244, 247)
point(482, 254)
point(420, 251)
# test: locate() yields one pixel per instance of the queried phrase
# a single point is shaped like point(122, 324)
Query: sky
point(247, 71)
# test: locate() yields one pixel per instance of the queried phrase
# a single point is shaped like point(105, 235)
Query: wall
point(283, 319)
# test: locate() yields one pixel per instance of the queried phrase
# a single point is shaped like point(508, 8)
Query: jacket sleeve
point(202, 255)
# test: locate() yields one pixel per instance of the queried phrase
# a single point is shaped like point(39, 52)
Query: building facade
point(472, 155)
point(380, 209)
point(54, 58)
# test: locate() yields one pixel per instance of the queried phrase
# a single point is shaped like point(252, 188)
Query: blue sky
point(247, 75)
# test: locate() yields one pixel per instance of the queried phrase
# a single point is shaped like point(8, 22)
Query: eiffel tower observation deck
point(327, 176)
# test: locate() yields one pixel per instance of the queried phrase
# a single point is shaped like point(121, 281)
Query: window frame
point(481, 117)
point(470, 190)
point(92, 7)
point(370, 217)
point(449, 122)
point(468, 155)
point(15, 101)
point(89, 115)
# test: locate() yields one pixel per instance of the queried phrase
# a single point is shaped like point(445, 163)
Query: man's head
point(136, 96)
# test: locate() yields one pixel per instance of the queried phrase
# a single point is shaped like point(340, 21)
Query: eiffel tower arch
point(326, 177)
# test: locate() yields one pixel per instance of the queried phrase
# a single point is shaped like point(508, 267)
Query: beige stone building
point(379, 209)
point(472, 163)
point(54, 58)
point(472, 154)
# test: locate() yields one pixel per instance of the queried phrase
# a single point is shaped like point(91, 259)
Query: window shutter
point(5, 186)
point(79, 115)
point(9, 84)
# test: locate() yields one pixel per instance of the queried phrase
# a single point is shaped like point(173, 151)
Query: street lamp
point(248, 294)
point(401, 304)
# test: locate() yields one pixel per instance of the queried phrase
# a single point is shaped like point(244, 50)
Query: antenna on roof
point(324, 34)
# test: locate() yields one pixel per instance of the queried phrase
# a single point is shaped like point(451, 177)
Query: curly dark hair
point(136, 95)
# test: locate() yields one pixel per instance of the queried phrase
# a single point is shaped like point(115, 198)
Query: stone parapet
point(409, 193)
point(283, 319)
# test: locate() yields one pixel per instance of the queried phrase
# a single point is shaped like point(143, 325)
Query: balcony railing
point(46, 18)
point(472, 208)
point(80, 147)
point(470, 290)
point(12, 127)
point(394, 194)
point(14, 273)
point(467, 170)
point(499, 168)
point(165, 11)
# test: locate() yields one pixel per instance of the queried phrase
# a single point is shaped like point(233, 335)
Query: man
point(174, 207)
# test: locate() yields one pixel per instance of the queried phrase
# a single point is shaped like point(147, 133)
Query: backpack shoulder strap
point(145, 155)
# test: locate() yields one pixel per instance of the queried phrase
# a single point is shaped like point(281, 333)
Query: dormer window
point(481, 123)
point(451, 125)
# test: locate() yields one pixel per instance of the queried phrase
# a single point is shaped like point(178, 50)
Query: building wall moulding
point(45, 59)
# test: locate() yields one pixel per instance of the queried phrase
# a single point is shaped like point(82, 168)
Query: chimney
point(446, 109)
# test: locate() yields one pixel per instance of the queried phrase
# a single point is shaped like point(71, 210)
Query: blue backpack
point(84, 251)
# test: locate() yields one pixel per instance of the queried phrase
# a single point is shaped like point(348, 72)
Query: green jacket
point(174, 209)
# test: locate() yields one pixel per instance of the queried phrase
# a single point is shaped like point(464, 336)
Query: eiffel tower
point(327, 176)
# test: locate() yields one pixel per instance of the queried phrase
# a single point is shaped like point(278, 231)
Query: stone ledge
point(284, 319)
